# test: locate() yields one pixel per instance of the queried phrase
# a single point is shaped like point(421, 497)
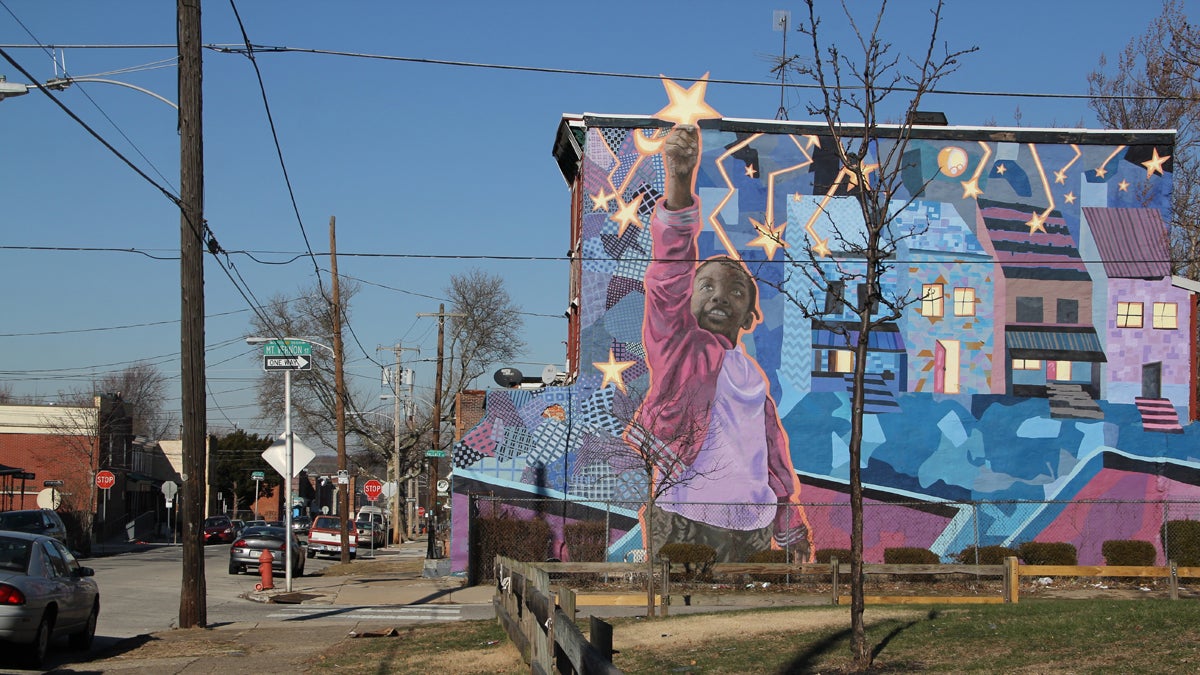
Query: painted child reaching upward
point(735, 488)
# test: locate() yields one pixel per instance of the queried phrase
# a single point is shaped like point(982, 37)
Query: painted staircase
point(1158, 415)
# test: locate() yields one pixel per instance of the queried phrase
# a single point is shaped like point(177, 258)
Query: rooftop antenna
point(780, 20)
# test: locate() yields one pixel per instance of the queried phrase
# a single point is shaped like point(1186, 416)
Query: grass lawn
point(1038, 636)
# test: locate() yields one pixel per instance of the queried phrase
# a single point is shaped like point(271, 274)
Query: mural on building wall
point(1049, 357)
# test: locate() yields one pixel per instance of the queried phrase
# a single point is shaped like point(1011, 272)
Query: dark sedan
point(44, 594)
point(219, 530)
point(245, 552)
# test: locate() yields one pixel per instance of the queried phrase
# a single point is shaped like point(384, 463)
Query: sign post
point(371, 490)
point(105, 479)
point(258, 477)
point(169, 490)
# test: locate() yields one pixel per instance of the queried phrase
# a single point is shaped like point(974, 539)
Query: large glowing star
point(1036, 223)
point(612, 370)
point(952, 161)
point(1154, 165)
point(769, 238)
point(686, 105)
point(627, 215)
point(600, 201)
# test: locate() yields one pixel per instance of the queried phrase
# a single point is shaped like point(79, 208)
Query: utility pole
point(434, 512)
point(192, 594)
point(340, 392)
point(397, 536)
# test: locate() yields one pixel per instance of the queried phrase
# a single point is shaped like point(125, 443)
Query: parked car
point(301, 524)
point(44, 593)
point(370, 531)
point(256, 523)
point(37, 521)
point(218, 530)
point(325, 536)
point(245, 552)
point(238, 526)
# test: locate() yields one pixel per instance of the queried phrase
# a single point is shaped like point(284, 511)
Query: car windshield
point(25, 521)
point(327, 523)
point(14, 553)
point(216, 522)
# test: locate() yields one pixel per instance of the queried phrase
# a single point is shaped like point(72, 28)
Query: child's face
point(722, 299)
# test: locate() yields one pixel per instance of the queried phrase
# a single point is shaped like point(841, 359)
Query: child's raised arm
point(681, 152)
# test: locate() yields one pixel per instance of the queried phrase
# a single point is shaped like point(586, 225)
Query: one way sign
point(287, 363)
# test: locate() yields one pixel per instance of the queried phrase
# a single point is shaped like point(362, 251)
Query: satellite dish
point(549, 373)
point(508, 377)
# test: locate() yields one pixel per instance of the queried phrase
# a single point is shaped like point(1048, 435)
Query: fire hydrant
point(264, 570)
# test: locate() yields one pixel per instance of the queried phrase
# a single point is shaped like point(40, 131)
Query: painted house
point(1007, 396)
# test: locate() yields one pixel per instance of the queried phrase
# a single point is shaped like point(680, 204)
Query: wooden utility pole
point(192, 594)
point(397, 535)
point(339, 391)
point(434, 512)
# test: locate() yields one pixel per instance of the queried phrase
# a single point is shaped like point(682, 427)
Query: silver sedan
point(44, 593)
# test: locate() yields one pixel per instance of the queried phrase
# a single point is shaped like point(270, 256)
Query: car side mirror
point(85, 572)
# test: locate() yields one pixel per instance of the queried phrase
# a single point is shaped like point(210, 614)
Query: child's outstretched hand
point(681, 152)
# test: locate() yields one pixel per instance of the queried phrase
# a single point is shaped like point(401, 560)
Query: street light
point(289, 452)
point(10, 89)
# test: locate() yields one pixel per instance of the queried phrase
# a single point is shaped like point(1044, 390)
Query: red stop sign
point(105, 479)
point(420, 511)
point(372, 489)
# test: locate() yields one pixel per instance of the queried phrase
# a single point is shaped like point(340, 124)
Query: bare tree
point(1154, 86)
point(855, 89)
point(487, 334)
point(143, 388)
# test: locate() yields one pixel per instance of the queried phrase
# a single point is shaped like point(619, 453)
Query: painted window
point(835, 292)
point(964, 302)
point(1062, 370)
point(1029, 310)
point(1164, 315)
point(864, 295)
point(931, 300)
point(1068, 311)
point(841, 361)
point(1129, 315)
point(1026, 364)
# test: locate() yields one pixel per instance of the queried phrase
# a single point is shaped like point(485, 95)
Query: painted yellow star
point(1001, 169)
point(750, 171)
point(852, 176)
point(600, 201)
point(1155, 164)
point(686, 105)
point(1069, 198)
point(627, 215)
point(612, 370)
point(813, 141)
point(821, 247)
point(971, 188)
point(1060, 177)
point(769, 239)
point(1123, 186)
point(1036, 222)
point(796, 197)
point(1101, 172)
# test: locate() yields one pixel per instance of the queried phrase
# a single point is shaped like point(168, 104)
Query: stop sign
point(105, 479)
point(372, 489)
point(420, 511)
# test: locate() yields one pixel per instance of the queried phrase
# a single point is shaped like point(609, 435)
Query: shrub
point(910, 555)
point(988, 555)
point(769, 556)
point(1181, 540)
point(1128, 552)
point(824, 555)
point(587, 540)
point(1048, 553)
point(522, 539)
point(697, 560)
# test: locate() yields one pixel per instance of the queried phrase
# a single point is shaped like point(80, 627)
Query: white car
point(44, 593)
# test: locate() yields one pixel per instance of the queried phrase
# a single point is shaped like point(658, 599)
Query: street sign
point(372, 489)
point(276, 455)
point(287, 348)
point(287, 363)
point(105, 479)
point(52, 483)
point(258, 475)
point(435, 453)
point(169, 490)
point(420, 511)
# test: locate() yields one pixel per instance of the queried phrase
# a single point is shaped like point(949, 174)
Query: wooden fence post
point(1012, 580)
point(835, 575)
point(1174, 583)
point(665, 600)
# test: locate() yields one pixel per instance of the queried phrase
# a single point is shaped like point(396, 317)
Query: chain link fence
point(538, 530)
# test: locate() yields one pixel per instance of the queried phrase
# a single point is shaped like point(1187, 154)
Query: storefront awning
point(1054, 343)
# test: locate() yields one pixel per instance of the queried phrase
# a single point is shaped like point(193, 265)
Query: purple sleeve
point(791, 523)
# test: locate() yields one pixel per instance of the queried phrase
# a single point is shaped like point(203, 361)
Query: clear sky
point(416, 160)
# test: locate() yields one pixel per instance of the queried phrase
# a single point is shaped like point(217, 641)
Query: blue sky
point(413, 159)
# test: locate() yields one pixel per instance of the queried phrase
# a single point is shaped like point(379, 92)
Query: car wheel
point(36, 653)
point(235, 568)
point(353, 554)
point(310, 554)
point(83, 639)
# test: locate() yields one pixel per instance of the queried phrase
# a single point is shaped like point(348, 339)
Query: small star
point(796, 197)
point(1036, 222)
point(813, 141)
point(686, 105)
point(821, 247)
point(1060, 177)
point(1101, 172)
point(1154, 165)
point(612, 370)
point(770, 239)
point(750, 171)
point(600, 201)
point(852, 175)
point(1069, 198)
point(1123, 186)
point(1001, 169)
point(627, 215)
point(971, 188)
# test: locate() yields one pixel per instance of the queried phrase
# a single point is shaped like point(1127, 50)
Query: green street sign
point(435, 453)
point(287, 348)
point(258, 475)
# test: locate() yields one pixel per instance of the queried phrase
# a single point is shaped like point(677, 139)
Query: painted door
point(1152, 380)
point(946, 365)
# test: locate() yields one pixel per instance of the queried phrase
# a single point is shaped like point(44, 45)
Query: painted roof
point(1132, 242)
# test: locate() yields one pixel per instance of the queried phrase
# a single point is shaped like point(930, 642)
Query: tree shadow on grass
point(810, 660)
